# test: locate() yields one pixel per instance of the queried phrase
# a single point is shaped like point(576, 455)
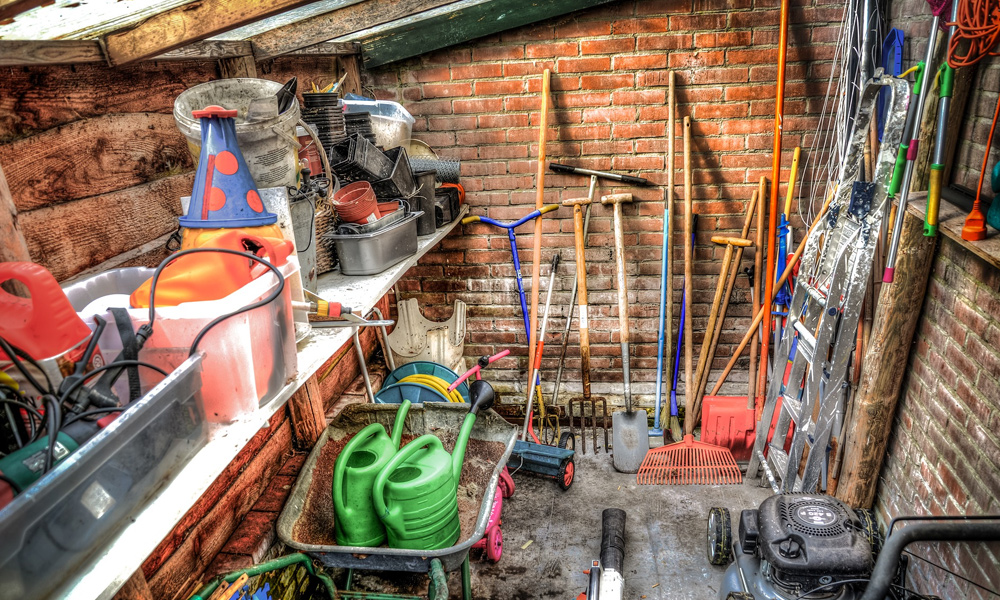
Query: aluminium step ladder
point(818, 339)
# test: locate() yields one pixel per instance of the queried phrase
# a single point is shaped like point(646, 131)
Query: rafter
point(11, 8)
point(343, 21)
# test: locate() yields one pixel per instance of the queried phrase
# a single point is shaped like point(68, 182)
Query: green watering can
point(416, 493)
point(368, 452)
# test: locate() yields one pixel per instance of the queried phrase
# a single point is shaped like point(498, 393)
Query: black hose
point(943, 531)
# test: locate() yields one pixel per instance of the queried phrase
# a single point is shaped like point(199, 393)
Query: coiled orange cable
point(977, 27)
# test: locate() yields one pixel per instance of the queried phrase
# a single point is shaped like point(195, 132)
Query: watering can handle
point(22, 325)
point(378, 488)
point(340, 467)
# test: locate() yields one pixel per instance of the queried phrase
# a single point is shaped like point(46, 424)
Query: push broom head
point(689, 463)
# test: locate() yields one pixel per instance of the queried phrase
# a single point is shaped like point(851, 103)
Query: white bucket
point(269, 145)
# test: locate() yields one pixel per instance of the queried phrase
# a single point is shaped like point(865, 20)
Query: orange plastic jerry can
point(44, 325)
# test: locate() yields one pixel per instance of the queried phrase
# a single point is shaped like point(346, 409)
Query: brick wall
point(944, 453)
point(479, 102)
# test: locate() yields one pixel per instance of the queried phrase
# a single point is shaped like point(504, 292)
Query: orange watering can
point(44, 325)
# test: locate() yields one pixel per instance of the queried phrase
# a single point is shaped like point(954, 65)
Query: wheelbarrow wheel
point(567, 470)
point(494, 544)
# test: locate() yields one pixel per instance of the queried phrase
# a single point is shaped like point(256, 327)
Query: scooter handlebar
point(511, 225)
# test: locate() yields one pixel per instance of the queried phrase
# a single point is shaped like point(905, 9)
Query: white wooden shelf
point(110, 569)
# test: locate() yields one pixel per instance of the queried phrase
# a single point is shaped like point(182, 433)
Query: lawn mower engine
point(793, 546)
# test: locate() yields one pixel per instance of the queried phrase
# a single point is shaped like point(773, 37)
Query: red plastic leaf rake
point(689, 463)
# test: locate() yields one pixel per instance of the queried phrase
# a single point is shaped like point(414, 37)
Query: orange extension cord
point(978, 24)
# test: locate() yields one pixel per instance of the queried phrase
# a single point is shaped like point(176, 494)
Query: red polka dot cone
point(225, 194)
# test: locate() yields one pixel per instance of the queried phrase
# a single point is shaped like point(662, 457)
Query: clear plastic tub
point(248, 357)
point(51, 529)
point(391, 122)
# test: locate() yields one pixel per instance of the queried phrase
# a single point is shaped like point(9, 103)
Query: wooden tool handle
point(576, 202)
point(616, 198)
point(620, 274)
point(731, 241)
point(689, 419)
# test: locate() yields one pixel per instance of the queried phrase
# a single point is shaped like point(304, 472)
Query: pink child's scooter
point(492, 543)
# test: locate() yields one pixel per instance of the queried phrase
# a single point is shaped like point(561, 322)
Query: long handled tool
point(910, 145)
point(581, 223)
point(537, 363)
point(688, 280)
point(629, 436)
point(755, 293)
point(536, 249)
point(947, 78)
point(666, 324)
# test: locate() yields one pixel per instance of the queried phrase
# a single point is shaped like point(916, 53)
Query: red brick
point(503, 87)
point(488, 53)
point(639, 130)
point(607, 46)
point(583, 29)
point(451, 123)
point(726, 39)
point(634, 97)
point(477, 71)
point(553, 50)
point(583, 65)
point(607, 82)
point(695, 22)
point(641, 61)
point(503, 120)
point(608, 115)
point(479, 105)
point(253, 536)
point(583, 99)
point(531, 69)
point(443, 90)
point(645, 25)
point(720, 111)
point(673, 41)
point(703, 58)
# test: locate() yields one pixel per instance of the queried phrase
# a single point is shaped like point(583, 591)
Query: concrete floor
point(665, 535)
point(665, 556)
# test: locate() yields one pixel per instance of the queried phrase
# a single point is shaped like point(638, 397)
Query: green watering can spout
point(481, 397)
point(397, 425)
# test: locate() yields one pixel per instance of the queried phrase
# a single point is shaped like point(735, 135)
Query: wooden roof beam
point(189, 23)
point(11, 8)
point(355, 17)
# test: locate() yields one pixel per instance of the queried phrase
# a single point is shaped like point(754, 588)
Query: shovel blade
point(630, 440)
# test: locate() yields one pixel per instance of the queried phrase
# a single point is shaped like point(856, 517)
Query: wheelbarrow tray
point(441, 419)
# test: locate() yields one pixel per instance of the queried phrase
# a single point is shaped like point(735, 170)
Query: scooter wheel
point(506, 482)
point(494, 544)
point(720, 536)
point(739, 596)
point(567, 470)
point(567, 440)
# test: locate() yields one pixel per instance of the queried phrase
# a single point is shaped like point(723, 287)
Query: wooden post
point(13, 247)
point(896, 320)
point(307, 414)
point(350, 65)
point(237, 66)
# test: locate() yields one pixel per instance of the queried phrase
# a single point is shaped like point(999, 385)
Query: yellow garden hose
point(435, 383)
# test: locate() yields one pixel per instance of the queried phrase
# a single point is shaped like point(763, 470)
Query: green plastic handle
point(947, 80)
point(897, 170)
point(378, 489)
point(340, 467)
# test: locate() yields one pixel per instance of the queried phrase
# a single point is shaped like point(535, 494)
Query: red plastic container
point(356, 203)
point(45, 325)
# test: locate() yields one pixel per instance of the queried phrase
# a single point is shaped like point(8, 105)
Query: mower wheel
point(567, 470)
point(739, 596)
point(720, 536)
point(567, 440)
point(869, 527)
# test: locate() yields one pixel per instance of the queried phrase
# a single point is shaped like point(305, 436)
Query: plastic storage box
point(391, 123)
point(49, 531)
point(248, 357)
point(374, 252)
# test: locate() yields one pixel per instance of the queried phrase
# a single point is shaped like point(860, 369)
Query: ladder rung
point(791, 406)
point(814, 293)
point(778, 458)
point(807, 342)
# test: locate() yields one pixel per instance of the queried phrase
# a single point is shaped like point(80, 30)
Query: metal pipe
point(940, 138)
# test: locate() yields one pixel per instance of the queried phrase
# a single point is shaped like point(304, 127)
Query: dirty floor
point(665, 555)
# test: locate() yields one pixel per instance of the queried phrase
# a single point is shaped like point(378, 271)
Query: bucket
point(268, 144)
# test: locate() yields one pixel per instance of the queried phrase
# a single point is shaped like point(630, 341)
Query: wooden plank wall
point(95, 163)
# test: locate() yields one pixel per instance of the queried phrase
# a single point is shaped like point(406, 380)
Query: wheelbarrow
point(303, 523)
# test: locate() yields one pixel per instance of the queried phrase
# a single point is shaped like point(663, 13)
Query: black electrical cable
point(15, 355)
point(147, 330)
point(831, 584)
point(53, 413)
point(32, 411)
point(13, 484)
point(118, 363)
point(94, 411)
